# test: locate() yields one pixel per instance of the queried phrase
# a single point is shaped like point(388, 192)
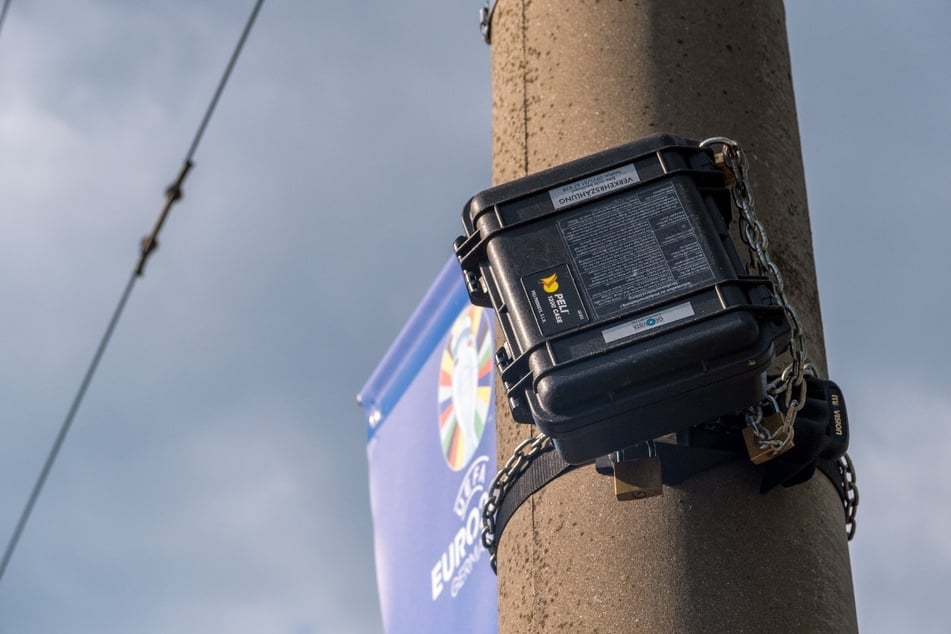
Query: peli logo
point(465, 387)
point(550, 283)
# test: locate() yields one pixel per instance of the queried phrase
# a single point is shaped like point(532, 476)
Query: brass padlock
point(773, 423)
point(720, 160)
point(638, 478)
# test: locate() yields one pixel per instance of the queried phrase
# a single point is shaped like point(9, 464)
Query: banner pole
point(571, 78)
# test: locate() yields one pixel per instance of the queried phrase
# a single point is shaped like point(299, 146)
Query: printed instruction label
point(594, 186)
point(555, 300)
point(652, 320)
point(635, 248)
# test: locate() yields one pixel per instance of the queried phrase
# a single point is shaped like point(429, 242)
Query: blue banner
point(431, 454)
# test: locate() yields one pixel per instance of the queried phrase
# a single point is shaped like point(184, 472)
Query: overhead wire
point(148, 245)
point(3, 13)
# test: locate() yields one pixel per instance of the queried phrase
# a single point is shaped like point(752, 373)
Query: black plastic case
point(626, 311)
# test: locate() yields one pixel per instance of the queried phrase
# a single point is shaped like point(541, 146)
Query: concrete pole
point(571, 77)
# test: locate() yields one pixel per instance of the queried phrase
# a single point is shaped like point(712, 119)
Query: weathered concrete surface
point(571, 77)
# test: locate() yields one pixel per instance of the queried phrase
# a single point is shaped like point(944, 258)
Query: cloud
point(215, 478)
point(900, 556)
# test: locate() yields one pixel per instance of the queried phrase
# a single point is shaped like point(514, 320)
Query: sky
point(215, 478)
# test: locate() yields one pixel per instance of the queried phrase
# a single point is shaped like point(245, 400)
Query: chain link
point(504, 480)
point(851, 494)
point(754, 420)
point(790, 387)
point(791, 384)
point(485, 20)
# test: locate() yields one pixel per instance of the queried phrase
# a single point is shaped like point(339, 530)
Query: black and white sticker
point(635, 249)
point(594, 186)
point(646, 322)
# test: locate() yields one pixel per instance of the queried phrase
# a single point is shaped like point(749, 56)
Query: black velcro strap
point(678, 463)
point(831, 469)
point(547, 466)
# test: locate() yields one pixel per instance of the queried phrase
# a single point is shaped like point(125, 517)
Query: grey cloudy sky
point(215, 479)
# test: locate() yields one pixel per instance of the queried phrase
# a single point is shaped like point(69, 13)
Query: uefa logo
point(465, 386)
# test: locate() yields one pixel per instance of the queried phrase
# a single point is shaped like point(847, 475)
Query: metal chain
point(790, 386)
point(527, 450)
point(851, 492)
point(485, 20)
